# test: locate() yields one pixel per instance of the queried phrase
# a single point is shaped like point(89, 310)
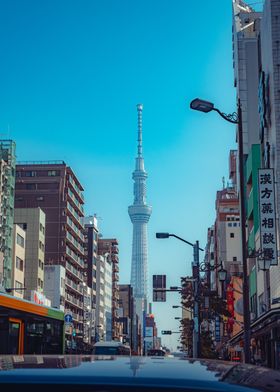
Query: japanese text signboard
point(267, 215)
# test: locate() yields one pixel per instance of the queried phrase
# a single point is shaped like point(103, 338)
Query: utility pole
point(196, 330)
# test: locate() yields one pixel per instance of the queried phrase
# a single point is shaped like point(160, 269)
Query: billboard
point(159, 287)
point(149, 332)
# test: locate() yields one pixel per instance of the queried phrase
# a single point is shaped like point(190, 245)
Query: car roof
point(109, 343)
point(146, 372)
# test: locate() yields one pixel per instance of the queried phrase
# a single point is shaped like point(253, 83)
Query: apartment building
point(54, 187)
point(91, 260)
point(7, 191)
point(110, 248)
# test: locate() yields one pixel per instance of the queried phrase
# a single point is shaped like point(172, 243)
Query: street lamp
point(236, 118)
point(196, 249)
point(222, 273)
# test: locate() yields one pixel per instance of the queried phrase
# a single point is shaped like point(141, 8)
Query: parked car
point(78, 373)
point(156, 353)
point(111, 348)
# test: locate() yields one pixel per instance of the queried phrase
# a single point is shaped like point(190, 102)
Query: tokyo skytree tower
point(139, 214)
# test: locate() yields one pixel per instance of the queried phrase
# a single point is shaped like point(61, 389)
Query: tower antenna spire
point(139, 110)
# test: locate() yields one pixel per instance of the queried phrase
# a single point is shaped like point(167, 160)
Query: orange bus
point(29, 328)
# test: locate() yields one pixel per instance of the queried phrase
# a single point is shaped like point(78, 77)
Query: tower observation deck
point(139, 214)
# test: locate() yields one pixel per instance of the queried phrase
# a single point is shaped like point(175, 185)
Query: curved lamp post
point(236, 118)
point(196, 249)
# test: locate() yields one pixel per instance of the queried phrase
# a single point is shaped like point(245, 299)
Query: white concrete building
point(32, 220)
point(54, 285)
point(108, 299)
point(18, 270)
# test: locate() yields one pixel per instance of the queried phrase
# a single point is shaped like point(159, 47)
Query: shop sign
point(217, 329)
point(40, 298)
point(267, 215)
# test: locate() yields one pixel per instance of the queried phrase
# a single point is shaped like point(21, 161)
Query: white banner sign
point(267, 215)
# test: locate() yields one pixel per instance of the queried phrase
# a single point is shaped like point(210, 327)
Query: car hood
point(161, 372)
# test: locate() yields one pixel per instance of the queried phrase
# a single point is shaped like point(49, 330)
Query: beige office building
point(18, 269)
point(33, 221)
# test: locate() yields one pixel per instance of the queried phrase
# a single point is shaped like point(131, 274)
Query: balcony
point(74, 242)
point(75, 257)
point(76, 189)
point(74, 286)
point(72, 198)
point(114, 258)
point(75, 229)
point(116, 268)
point(74, 214)
point(115, 277)
point(74, 301)
point(74, 271)
point(114, 250)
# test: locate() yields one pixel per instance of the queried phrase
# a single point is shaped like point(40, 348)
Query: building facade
point(54, 285)
point(7, 193)
point(54, 188)
point(91, 261)
point(19, 262)
point(109, 247)
point(33, 222)
point(127, 313)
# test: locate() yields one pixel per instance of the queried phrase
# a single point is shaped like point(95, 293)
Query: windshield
point(106, 351)
point(139, 180)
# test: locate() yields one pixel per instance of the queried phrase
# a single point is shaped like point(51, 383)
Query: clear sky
point(72, 72)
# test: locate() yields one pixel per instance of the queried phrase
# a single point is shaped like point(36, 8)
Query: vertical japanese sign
point(267, 215)
point(159, 282)
point(217, 329)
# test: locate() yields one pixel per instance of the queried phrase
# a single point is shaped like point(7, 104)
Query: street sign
point(87, 316)
point(166, 332)
point(68, 318)
point(159, 282)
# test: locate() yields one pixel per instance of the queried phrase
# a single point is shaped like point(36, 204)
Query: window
point(18, 286)
point(231, 235)
point(229, 224)
point(19, 198)
point(19, 263)
point(235, 224)
point(40, 198)
point(41, 264)
point(30, 173)
point(51, 173)
point(20, 240)
point(22, 225)
point(40, 283)
point(41, 246)
point(30, 186)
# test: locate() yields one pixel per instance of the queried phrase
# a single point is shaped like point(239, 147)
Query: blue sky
point(71, 75)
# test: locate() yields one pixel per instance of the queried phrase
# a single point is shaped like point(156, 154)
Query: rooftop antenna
point(223, 180)
point(139, 109)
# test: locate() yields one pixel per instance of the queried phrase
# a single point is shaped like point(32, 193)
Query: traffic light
point(166, 332)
